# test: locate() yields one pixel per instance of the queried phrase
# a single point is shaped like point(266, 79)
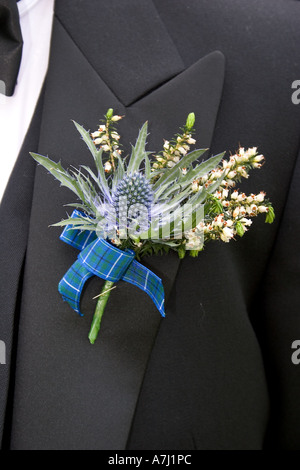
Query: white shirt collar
point(16, 111)
point(25, 5)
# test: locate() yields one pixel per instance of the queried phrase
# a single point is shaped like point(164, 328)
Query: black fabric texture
point(216, 373)
point(15, 209)
point(131, 49)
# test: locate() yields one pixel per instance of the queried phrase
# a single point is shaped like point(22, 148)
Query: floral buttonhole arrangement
point(129, 207)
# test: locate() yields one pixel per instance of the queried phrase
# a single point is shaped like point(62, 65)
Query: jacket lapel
point(126, 43)
point(80, 396)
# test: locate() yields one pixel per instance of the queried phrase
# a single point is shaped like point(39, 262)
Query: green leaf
point(97, 155)
point(198, 198)
point(92, 174)
point(59, 173)
point(87, 139)
point(167, 243)
point(148, 173)
point(102, 176)
point(80, 207)
point(270, 215)
point(74, 221)
point(173, 190)
point(118, 174)
point(172, 174)
point(89, 193)
point(89, 227)
point(176, 200)
point(213, 206)
point(193, 217)
point(138, 151)
point(202, 169)
point(157, 173)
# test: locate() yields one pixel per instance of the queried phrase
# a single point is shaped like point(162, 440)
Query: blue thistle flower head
point(133, 189)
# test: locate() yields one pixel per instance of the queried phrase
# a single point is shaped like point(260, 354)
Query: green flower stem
point(103, 298)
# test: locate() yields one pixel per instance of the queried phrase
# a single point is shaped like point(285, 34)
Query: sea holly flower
point(148, 204)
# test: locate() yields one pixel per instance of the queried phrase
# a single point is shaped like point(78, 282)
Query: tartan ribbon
point(98, 257)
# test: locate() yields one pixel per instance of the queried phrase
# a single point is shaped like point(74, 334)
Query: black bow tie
point(11, 44)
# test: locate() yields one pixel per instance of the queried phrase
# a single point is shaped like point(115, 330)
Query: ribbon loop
point(105, 260)
point(98, 257)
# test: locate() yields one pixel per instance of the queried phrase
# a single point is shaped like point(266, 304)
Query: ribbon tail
point(98, 257)
point(142, 277)
point(71, 285)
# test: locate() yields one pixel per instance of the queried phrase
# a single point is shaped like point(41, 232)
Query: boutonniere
point(129, 207)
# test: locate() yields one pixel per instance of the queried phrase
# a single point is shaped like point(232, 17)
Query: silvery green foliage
point(173, 180)
point(134, 179)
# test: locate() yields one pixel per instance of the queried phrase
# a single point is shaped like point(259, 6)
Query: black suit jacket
point(216, 373)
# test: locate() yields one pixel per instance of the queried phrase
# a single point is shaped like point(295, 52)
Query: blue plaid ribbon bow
point(98, 257)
